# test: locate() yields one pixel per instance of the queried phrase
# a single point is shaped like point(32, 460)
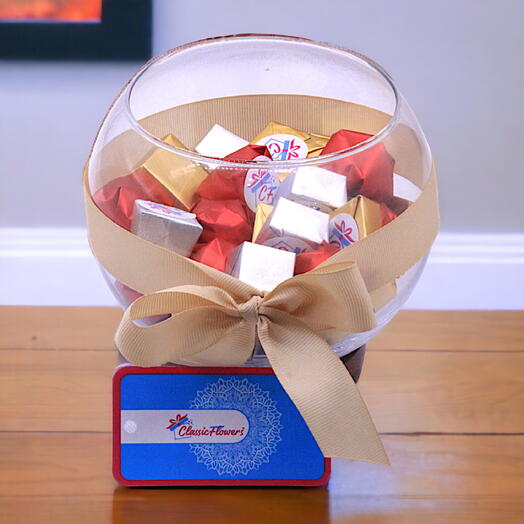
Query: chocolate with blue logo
point(213, 426)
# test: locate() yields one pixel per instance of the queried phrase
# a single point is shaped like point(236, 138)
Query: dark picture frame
point(124, 33)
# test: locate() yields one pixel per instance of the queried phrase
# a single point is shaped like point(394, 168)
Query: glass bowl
point(242, 82)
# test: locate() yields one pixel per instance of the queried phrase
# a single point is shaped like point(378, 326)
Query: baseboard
point(464, 271)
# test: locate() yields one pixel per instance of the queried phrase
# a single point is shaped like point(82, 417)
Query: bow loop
point(202, 328)
point(328, 298)
point(207, 325)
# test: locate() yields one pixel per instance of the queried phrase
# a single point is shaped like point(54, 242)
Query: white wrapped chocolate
point(294, 227)
point(405, 189)
point(261, 266)
point(315, 187)
point(219, 142)
point(166, 226)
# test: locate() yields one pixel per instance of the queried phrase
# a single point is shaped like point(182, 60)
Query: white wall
point(55, 267)
point(50, 113)
point(457, 62)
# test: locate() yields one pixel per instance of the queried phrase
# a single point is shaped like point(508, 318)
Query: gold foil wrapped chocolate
point(180, 175)
point(262, 213)
point(313, 141)
point(366, 214)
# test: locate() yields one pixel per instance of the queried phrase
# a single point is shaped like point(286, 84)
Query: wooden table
point(446, 390)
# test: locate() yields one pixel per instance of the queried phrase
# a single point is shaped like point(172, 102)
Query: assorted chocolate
point(261, 225)
point(262, 214)
point(288, 143)
point(261, 266)
point(294, 227)
point(219, 142)
point(166, 226)
point(354, 220)
point(315, 187)
point(179, 175)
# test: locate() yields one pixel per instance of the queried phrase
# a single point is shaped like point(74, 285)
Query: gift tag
point(343, 230)
point(284, 147)
point(210, 426)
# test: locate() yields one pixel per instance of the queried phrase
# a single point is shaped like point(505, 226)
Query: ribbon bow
point(209, 325)
point(215, 319)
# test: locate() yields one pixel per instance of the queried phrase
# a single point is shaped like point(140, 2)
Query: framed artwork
point(75, 29)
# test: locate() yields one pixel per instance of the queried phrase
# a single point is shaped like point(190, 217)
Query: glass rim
point(275, 164)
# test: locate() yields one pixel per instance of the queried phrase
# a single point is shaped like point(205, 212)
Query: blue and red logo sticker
point(284, 147)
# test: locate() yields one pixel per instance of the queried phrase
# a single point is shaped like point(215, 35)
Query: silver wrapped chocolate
point(315, 187)
point(294, 227)
point(166, 226)
point(219, 142)
point(261, 266)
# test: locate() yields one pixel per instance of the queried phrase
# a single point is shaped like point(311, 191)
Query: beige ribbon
point(215, 318)
point(286, 320)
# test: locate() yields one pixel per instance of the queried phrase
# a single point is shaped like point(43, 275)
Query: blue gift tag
point(209, 426)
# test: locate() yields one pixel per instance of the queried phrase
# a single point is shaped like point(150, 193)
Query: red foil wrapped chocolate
point(369, 173)
point(226, 219)
point(214, 253)
point(398, 205)
point(117, 198)
point(225, 183)
point(394, 207)
point(311, 259)
point(386, 214)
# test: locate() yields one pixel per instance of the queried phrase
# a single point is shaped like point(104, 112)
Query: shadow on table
point(221, 505)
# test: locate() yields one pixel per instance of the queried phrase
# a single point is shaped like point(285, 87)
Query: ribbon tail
point(321, 389)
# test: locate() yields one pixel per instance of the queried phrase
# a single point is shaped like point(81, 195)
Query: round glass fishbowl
point(220, 130)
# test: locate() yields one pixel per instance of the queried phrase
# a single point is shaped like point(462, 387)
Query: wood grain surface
point(446, 390)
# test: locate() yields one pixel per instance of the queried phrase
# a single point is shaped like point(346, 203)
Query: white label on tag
point(284, 147)
point(260, 187)
point(183, 426)
point(343, 230)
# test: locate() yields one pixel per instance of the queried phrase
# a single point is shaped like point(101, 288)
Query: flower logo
point(177, 422)
point(285, 147)
point(264, 427)
point(343, 231)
